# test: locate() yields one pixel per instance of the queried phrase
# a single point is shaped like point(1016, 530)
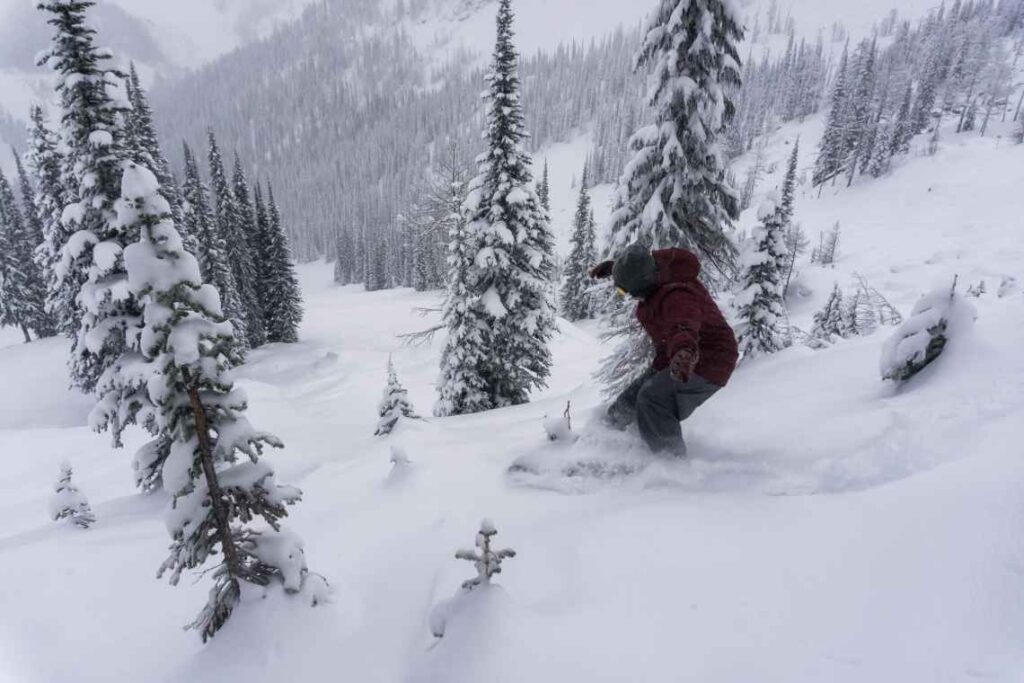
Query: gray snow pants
point(658, 403)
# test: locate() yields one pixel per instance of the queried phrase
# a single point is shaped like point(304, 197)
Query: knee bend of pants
point(657, 395)
point(693, 394)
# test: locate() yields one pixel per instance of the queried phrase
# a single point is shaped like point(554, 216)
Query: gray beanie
point(635, 271)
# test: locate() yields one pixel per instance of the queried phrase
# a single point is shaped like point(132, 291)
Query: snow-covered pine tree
point(882, 154)
point(510, 244)
point(859, 131)
point(45, 164)
point(828, 322)
point(406, 255)
point(674, 193)
point(544, 189)
point(377, 277)
point(462, 388)
point(360, 248)
point(250, 269)
point(434, 216)
point(22, 291)
point(850, 316)
point(486, 560)
point(796, 245)
point(394, 404)
point(903, 127)
point(759, 302)
point(214, 470)
point(211, 248)
point(577, 302)
point(282, 302)
point(91, 135)
point(928, 84)
point(143, 147)
point(260, 245)
point(344, 267)
point(426, 269)
point(228, 229)
point(788, 192)
point(68, 501)
point(832, 149)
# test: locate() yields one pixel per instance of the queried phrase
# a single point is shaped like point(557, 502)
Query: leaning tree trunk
point(217, 503)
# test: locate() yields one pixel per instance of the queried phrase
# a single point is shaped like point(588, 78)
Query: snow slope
point(447, 29)
point(827, 527)
point(565, 167)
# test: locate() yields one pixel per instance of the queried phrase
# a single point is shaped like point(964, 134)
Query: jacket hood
point(676, 265)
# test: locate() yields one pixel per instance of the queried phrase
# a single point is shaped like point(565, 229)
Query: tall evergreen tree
point(248, 234)
point(261, 250)
point(211, 248)
point(143, 147)
point(214, 468)
point(92, 135)
point(788, 194)
point(45, 164)
point(462, 387)
point(577, 302)
point(759, 302)
point(282, 302)
point(879, 161)
point(832, 148)
point(858, 129)
point(41, 321)
point(674, 191)
point(544, 189)
point(344, 267)
point(903, 129)
point(928, 86)
point(33, 223)
point(22, 293)
point(229, 230)
point(433, 218)
point(511, 240)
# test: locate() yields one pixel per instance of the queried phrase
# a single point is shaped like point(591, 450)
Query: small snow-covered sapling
point(67, 502)
point(828, 322)
point(485, 559)
point(394, 404)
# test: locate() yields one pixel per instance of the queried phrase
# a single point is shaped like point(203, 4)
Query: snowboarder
point(695, 348)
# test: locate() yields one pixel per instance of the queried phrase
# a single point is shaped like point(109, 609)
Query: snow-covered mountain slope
point(446, 29)
point(164, 38)
point(812, 16)
point(565, 165)
point(827, 527)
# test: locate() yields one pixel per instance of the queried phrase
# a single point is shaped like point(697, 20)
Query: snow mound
point(938, 318)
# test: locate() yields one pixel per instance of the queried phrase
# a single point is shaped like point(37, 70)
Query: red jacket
point(681, 314)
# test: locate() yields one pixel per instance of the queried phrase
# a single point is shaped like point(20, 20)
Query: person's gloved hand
point(682, 364)
point(602, 270)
